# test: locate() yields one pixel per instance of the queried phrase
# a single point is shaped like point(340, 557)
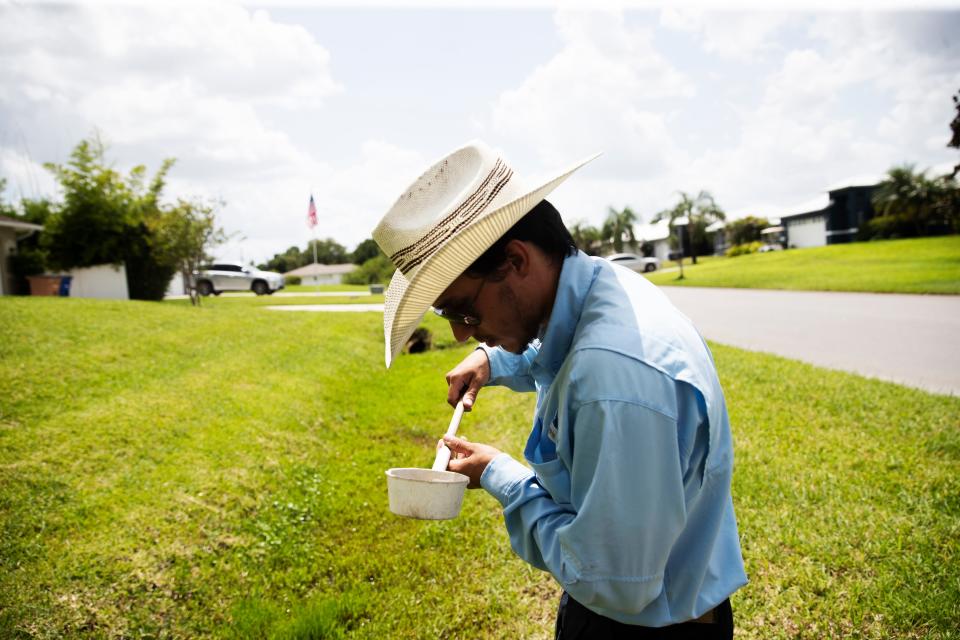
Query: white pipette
point(443, 453)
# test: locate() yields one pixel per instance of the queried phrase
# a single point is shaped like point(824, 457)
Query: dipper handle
point(443, 453)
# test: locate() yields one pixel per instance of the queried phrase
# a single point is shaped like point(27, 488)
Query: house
point(717, 230)
point(774, 235)
point(100, 281)
point(831, 218)
point(656, 234)
point(11, 230)
point(322, 273)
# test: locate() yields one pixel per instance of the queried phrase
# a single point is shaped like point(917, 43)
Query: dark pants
point(576, 622)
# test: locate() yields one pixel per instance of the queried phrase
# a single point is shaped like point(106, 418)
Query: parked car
point(635, 262)
point(217, 278)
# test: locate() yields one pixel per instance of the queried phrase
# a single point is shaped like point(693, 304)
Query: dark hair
point(541, 226)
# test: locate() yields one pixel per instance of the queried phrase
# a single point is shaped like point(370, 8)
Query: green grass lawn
point(218, 302)
point(168, 471)
point(920, 265)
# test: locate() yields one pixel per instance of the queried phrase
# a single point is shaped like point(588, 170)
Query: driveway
point(909, 339)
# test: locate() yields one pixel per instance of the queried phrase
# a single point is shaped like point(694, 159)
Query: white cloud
point(350, 199)
point(869, 92)
point(737, 35)
point(762, 109)
point(599, 93)
point(202, 83)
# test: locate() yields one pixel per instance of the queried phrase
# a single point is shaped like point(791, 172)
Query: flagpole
point(312, 223)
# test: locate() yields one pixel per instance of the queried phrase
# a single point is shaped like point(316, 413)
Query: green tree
point(364, 251)
point(955, 131)
point(745, 230)
point(700, 211)
point(906, 203)
point(587, 238)
point(182, 236)
point(6, 209)
point(619, 227)
point(329, 251)
point(99, 216)
point(377, 269)
point(108, 218)
point(289, 260)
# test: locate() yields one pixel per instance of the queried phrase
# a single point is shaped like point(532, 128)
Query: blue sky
point(263, 106)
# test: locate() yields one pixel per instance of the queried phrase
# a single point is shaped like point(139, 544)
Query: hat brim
point(408, 300)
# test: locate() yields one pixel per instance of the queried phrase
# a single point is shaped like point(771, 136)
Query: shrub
point(889, 227)
point(743, 249)
point(288, 280)
point(27, 261)
point(378, 269)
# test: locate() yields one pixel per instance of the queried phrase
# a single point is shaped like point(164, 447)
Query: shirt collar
point(576, 277)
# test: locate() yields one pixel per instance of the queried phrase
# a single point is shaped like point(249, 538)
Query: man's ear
point(518, 256)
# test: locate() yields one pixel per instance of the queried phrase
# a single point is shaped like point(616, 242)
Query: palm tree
point(586, 237)
point(619, 226)
point(907, 195)
point(700, 210)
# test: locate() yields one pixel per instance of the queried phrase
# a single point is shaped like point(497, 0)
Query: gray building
point(833, 219)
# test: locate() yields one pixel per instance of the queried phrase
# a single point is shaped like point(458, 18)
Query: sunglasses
point(467, 319)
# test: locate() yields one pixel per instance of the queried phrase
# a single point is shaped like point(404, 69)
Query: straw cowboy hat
point(443, 222)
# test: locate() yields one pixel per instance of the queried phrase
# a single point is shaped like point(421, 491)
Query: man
point(628, 501)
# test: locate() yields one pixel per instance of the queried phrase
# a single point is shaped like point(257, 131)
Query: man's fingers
point(458, 445)
point(457, 455)
point(463, 389)
point(454, 391)
point(470, 395)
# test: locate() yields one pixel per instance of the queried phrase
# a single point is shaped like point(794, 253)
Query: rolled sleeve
point(510, 369)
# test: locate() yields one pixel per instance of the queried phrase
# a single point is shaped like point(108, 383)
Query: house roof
point(819, 203)
point(870, 180)
point(652, 232)
point(13, 223)
point(322, 270)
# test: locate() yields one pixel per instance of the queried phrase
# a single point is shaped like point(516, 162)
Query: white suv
point(217, 278)
point(635, 262)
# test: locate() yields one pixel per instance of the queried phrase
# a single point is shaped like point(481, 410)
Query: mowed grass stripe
point(917, 265)
point(218, 472)
point(129, 486)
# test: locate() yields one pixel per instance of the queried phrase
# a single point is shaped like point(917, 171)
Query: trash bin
point(65, 286)
point(44, 285)
point(376, 288)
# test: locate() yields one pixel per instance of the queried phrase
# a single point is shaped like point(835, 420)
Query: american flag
point(312, 214)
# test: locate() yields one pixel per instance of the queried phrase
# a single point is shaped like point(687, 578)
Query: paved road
point(910, 339)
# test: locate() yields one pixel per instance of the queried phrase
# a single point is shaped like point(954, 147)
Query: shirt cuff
point(502, 474)
point(498, 366)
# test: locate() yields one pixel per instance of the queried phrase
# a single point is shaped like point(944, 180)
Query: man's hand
point(465, 379)
point(469, 458)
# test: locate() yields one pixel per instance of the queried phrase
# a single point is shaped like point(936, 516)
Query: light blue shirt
point(628, 504)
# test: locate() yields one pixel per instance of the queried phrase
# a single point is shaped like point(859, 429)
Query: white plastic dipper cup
point(429, 494)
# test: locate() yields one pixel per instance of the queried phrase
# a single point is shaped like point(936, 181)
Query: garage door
point(809, 232)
